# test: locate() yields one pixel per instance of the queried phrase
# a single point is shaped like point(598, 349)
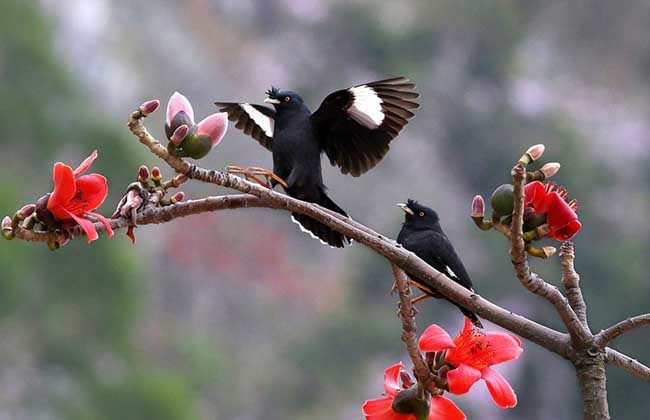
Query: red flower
point(470, 356)
point(560, 215)
point(382, 409)
point(74, 198)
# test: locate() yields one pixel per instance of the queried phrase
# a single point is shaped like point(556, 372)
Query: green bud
point(503, 200)
point(409, 401)
point(196, 146)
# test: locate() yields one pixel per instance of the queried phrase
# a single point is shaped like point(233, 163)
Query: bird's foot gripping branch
point(523, 212)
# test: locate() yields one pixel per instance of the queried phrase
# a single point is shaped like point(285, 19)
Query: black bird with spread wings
point(354, 127)
point(422, 234)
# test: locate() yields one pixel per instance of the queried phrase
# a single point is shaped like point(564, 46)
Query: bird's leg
point(247, 174)
point(268, 174)
point(419, 299)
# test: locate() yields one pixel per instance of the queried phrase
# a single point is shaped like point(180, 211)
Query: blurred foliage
point(77, 325)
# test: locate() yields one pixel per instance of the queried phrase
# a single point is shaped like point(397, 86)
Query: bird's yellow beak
point(405, 208)
point(271, 101)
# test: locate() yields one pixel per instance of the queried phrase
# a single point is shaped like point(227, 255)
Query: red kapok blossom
point(382, 409)
point(470, 356)
point(76, 196)
point(561, 216)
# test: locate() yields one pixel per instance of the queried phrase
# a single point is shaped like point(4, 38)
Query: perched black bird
point(422, 234)
point(352, 126)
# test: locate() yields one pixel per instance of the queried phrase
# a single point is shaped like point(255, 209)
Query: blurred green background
point(238, 315)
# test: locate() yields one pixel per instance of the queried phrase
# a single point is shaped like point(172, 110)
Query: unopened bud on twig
point(143, 173)
point(532, 154)
point(478, 213)
point(550, 169)
point(544, 252)
point(155, 173)
point(7, 232)
point(26, 211)
point(149, 107)
point(179, 196)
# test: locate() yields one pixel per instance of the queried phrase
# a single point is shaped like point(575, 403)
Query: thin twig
point(409, 337)
point(610, 334)
point(571, 282)
point(628, 364)
point(580, 336)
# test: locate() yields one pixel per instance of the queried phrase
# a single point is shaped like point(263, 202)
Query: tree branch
point(580, 336)
point(407, 315)
point(610, 334)
point(628, 364)
point(571, 282)
point(539, 334)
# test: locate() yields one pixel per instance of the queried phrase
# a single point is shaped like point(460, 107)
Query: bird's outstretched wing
point(255, 120)
point(441, 252)
point(356, 125)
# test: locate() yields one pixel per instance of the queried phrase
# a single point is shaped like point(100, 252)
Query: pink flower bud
point(155, 173)
point(6, 223)
point(179, 134)
point(149, 106)
point(176, 104)
point(143, 172)
point(26, 211)
point(550, 169)
point(179, 196)
point(478, 206)
point(535, 152)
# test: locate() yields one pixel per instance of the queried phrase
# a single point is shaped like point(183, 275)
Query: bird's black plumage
point(422, 234)
point(352, 126)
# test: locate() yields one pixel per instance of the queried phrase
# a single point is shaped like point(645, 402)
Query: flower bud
point(478, 206)
point(26, 211)
point(149, 107)
point(7, 232)
point(179, 134)
point(155, 173)
point(550, 169)
point(413, 401)
point(535, 152)
point(179, 196)
point(143, 173)
point(196, 146)
point(503, 199)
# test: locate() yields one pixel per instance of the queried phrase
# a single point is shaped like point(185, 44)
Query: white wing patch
point(366, 107)
point(264, 122)
point(450, 272)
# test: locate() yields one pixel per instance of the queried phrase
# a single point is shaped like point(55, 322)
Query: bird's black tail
point(318, 230)
point(472, 317)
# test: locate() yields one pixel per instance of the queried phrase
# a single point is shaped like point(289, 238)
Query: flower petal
point(462, 378)
point(535, 194)
point(104, 221)
point(86, 164)
point(503, 347)
point(391, 379)
point(214, 126)
point(176, 104)
point(91, 193)
point(86, 225)
point(435, 338)
point(64, 189)
point(444, 408)
point(499, 388)
point(382, 409)
point(561, 218)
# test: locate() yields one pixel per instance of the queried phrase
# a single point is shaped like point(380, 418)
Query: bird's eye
point(421, 213)
point(287, 98)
